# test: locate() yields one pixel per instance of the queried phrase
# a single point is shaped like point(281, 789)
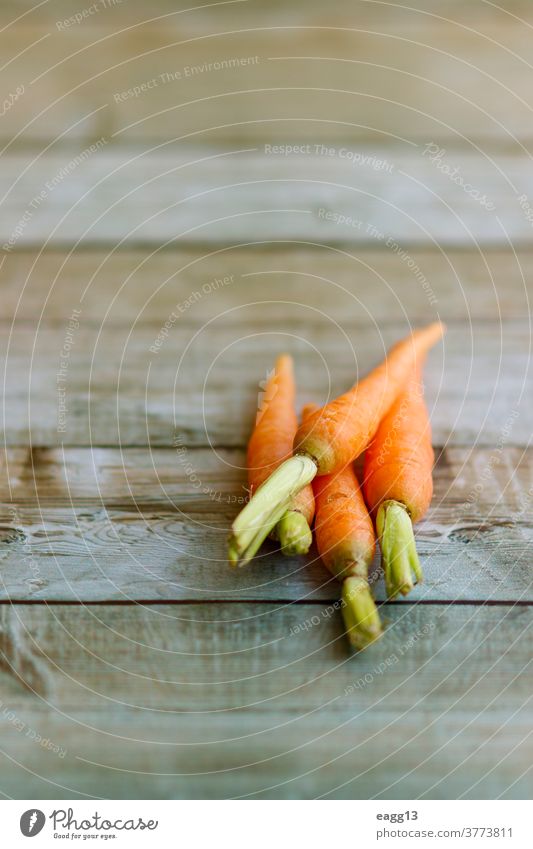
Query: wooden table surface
point(185, 193)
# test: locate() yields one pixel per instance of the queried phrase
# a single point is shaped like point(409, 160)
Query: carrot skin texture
point(398, 484)
point(344, 531)
point(340, 431)
point(275, 424)
point(345, 540)
point(399, 461)
point(269, 447)
point(273, 435)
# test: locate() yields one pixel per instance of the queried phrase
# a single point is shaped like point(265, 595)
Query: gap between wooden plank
point(282, 602)
point(117, 385)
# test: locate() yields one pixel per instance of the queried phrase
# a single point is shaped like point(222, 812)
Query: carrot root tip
point(294, 533)
point(267, 506)
point(361, 618)
point(401, 565)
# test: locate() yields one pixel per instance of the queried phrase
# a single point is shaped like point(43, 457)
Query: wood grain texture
point(135, 526)
point(347, 285)
point(352, 71)
point(148, 282)
point(176, 195)
point(124, 387)
point(198, 17)
point(240, 700)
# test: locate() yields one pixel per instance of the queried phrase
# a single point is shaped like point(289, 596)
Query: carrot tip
point(267, 506)
point(294, 533)
point(401, 565)
point(361, 618)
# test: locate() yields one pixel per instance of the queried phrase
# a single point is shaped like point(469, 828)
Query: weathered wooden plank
point(197, 18)
point(200, 384)
point(196, 702)
point(345, 284)
point(205, 657)
point(304, 74)
point(182, 194)
point(467, 755)
point(134, 525)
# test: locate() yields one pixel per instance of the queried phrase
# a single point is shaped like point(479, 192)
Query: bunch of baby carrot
point(297, 474)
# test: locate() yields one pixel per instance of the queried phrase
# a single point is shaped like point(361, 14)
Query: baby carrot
point(398, 484)
point(330, 438)
point(346, 541)
point(339, 432)
point(270, 444)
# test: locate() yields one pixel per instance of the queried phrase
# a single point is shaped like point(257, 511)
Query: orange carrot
point(332, 437)
point(339, 432)
point(270, 444)
point(398, 483)
point(345, 540)
point(275, 424)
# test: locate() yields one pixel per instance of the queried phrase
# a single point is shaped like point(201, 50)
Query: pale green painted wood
point(456, 71)
point(231, 700)
point(202, 387)
point(243, 192)
point(105, 524)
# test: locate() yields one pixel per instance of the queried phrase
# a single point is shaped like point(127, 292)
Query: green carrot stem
point(267, 506)
point(294, 533)
point(401, 565)
point(361, 618)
